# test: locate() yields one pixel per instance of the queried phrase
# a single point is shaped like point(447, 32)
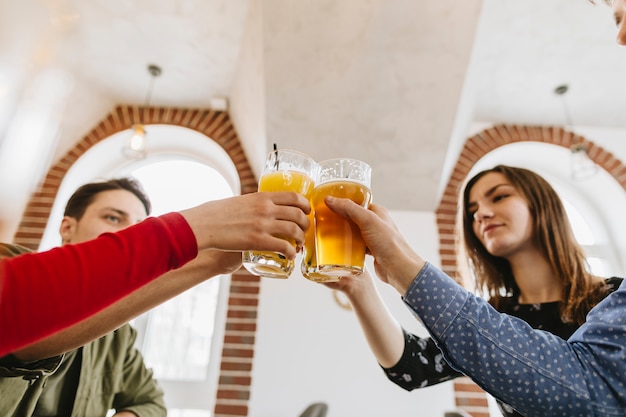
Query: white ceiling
point(397, 83)
point(525, 49)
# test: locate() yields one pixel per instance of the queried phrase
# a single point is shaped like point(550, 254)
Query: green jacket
point(112, 376)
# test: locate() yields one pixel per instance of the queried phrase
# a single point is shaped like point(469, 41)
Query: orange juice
point(272, 263)
point(339, 244)
point(287, 181)
point(295, 181)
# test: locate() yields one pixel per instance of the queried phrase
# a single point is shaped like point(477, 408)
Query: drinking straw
point(276, 156)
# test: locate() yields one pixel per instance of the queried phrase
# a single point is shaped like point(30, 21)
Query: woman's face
point(502, 218)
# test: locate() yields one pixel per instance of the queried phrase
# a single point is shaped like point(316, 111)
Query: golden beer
point(340, 249)
point(308, 265)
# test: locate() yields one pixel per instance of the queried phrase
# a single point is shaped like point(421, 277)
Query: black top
point(422, 363)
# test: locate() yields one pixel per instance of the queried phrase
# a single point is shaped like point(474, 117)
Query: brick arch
point(233, 391)
point(468, 396)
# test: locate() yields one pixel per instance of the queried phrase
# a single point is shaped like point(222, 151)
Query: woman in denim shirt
point(520, 249)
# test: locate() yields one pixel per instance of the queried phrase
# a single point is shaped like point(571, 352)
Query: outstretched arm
point(534, 371)
point(408, 360)
point(382, 331)
point(207, 264)
point(44, 293)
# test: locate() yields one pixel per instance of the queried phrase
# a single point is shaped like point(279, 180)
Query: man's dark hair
point(84, 196)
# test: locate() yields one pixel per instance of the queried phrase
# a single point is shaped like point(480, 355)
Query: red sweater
point(42, 293)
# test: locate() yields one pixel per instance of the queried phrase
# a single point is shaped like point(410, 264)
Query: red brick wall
point(469, 396)
point(239, 337)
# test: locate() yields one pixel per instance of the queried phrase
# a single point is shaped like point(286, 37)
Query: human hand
point(256, 221)
point(395, 261)
point(221, 262)
point(355, 287)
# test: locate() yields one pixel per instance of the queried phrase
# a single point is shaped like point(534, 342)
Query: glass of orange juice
point(339, 246)
point(285, 170)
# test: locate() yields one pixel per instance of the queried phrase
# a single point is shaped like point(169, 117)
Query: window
point(178, 338)
point(183, 168)
point(598, 255)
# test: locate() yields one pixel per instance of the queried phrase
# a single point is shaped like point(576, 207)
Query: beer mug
point(285, 170)
point(339, 246)
point(308, 263)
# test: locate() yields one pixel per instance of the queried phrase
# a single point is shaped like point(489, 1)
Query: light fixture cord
point(150, 88)
point(568, 117)
point(562, 91)
point(154, 71)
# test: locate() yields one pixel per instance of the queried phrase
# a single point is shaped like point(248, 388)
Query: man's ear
point(67, 229)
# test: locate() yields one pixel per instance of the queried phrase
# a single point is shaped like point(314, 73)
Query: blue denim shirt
point(537, 373)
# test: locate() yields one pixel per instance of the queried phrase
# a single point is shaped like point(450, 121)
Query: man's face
point(619, 11)
point(110, 211)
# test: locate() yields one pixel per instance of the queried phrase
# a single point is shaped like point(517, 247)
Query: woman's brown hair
point(553, 235)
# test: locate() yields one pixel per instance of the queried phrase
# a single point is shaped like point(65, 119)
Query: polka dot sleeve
point(421, 364)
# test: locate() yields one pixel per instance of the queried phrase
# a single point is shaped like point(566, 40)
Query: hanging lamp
point(581, 165)
point(136, 147)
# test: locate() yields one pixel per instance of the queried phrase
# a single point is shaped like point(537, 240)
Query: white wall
point(247, 95)
point(308, 349)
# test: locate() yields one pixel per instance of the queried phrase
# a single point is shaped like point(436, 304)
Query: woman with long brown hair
point(520, 251)
point(553, 259)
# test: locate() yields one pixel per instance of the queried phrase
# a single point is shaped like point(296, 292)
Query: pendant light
point(137, 146)
point(581, 166)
